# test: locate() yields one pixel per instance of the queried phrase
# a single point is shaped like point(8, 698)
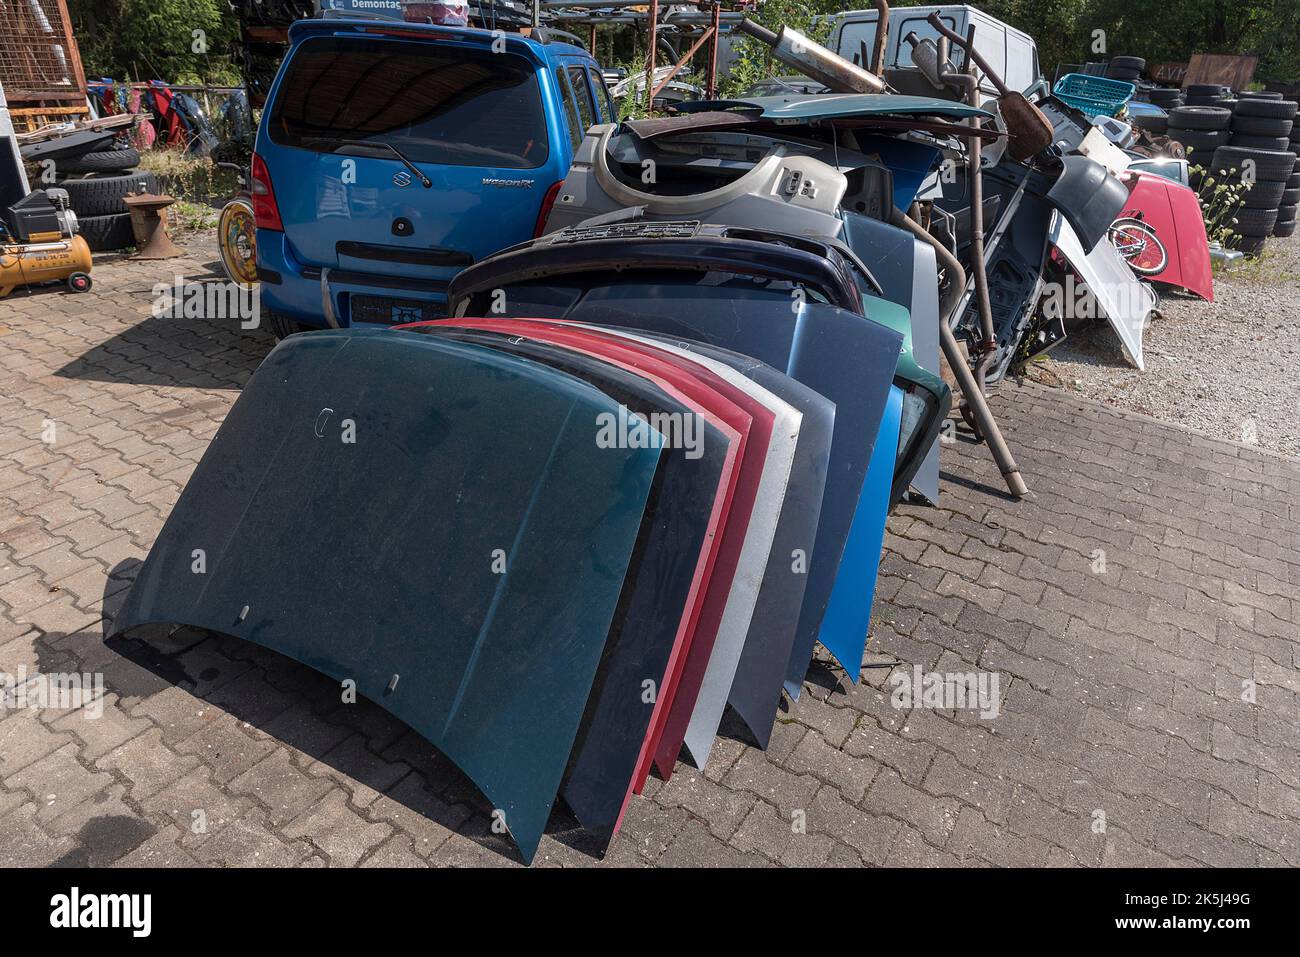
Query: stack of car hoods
point(556, 550)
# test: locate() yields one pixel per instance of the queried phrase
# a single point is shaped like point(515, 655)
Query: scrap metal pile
point(644, 465)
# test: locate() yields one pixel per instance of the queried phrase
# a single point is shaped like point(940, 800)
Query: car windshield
point(435, 101)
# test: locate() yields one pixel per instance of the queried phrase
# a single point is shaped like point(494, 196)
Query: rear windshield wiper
point(379, 144)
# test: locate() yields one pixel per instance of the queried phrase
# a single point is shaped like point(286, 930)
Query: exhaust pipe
point(795, 50)
point(882, 39)
point(957, 362)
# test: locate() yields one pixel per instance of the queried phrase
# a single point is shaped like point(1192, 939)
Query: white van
point(1008, 51)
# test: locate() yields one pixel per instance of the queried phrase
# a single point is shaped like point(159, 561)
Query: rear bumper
point(323, 298)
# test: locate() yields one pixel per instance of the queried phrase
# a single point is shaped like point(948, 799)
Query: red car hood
point(1174, 212)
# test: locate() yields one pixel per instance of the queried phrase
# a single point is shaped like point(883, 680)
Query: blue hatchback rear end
point(392, 155)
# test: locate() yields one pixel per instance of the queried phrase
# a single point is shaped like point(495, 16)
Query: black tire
point(1270, 165)
point(104, 195)
point(1191, 100)
point(1126, 76)
point(1199, 118)
point(1264, 195)
point(1273, 109)
point(280, 325)
point(1163, 94)
point(1260, 142)
point(1154, 124)
point(1286, 213)
point(1255, 222)
point(106, 233)
point(1203, 141)
point(1226, 103)
point(1261, 125)
point(103, 161)
point(1284, 229)
point(1290, 195)
point(1293, 181)
point(1250, 245)
point(1204, 89)
point(1260, 95)
point(1128, 63)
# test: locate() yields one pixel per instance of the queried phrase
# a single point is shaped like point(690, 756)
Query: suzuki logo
point(401, 178)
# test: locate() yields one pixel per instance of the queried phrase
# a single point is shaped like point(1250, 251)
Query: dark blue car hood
point(461, 560)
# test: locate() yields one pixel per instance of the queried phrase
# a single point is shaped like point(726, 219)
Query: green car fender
point(926, 400)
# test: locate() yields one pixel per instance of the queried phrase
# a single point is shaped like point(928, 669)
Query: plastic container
point(1094, 95)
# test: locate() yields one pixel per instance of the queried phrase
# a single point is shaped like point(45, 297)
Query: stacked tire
point(1165, 98)
point(1269, 173)
point(98, 185)
point(1262, 122)
point(1206, 94)
point(1286, 212)
point(1201, 130)
point(1126, 68)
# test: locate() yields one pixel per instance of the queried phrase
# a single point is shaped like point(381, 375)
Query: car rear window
point(436, 102)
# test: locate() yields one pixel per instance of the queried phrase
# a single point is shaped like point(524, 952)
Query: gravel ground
point(1230, 368)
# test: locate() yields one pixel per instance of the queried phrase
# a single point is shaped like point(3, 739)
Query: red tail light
point(266, 214)
point(548, 201)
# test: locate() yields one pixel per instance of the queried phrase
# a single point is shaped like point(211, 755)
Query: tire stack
point(1273, 172)
point(1165, 98)
point(1286, 211)
point(1205, 94)
point(1201, 130)
point(1126, 68)
point(98, 184)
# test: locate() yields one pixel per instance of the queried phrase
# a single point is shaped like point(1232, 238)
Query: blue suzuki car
point(391, 155)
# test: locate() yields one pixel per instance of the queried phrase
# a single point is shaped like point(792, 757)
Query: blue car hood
point(460, 559)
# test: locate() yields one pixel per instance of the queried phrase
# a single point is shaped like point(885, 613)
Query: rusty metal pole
point(592, 47)
point(681, 63)
point(650, 56)
point(711, 85)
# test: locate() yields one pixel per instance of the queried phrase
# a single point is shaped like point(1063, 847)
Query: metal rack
point(703, 23)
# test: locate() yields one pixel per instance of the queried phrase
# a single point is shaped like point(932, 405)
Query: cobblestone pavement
point(1140, 611)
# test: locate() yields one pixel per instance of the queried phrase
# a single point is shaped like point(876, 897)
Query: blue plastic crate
point(1094, 95)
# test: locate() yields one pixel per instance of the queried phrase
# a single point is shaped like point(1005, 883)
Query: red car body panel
point(1174, 212)
point(698, 388)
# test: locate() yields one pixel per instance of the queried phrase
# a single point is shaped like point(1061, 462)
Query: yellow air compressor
point(39, 244)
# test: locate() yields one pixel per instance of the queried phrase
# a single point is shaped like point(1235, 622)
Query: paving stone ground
point(1141, 612)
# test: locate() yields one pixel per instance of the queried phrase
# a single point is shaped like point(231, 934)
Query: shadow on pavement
point(287, 701)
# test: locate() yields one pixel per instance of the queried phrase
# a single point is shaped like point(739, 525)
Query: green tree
point(178, 41)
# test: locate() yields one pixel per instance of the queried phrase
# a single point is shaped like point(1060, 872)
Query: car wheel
point(101, 161)
point(106, 233)
point(1271, 165)
point(1200, 141)
point(1255, 222)
point(1250, 245)
point(1200, 118)
point(1284, 229)
point(1277, 109)
point(1158, 125)
point(104, 195)
point(1264, 195)
point(280, 325)
point(1261, 125)
point(1260, 142)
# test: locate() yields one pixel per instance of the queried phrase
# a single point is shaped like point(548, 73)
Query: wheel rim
point(1140, 247)
point(237, 236)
